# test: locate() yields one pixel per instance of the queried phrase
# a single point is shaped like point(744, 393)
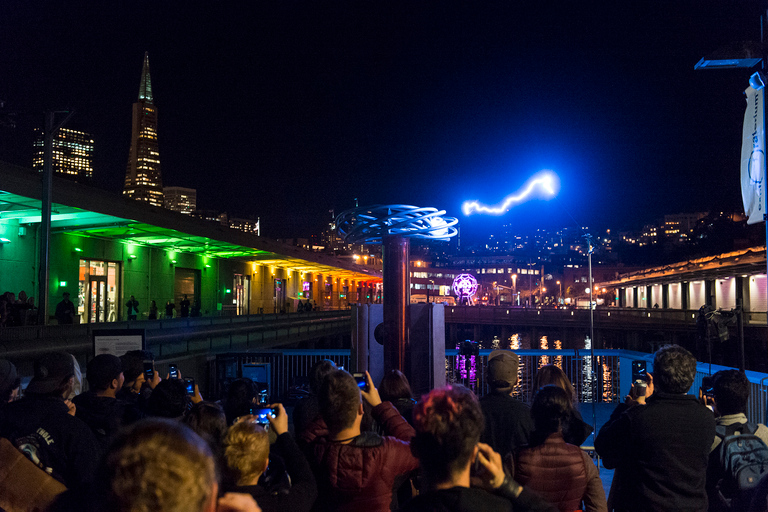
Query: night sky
point(286, 109)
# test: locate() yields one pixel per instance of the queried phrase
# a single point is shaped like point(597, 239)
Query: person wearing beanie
point(508, 423)
point(98, 407)
point(43, 427)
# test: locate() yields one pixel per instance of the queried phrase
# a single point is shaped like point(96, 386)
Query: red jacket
point(562, 474)
point(360, 475)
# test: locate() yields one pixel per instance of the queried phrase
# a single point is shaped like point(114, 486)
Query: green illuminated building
point(104, 248)
point(143, 181)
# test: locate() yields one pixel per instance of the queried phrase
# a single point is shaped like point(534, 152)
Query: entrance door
point(98, 299)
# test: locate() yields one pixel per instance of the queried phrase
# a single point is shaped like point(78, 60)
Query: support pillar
point(395, 270)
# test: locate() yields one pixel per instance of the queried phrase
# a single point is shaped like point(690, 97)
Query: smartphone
point(360, 379)
point(263, 414)
point(639, 377)
point(190, 385)
point(173, 371)
point(263, 398)
point(708, 386)
point(149, 370)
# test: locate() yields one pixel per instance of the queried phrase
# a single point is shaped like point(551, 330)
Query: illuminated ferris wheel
point(465, 287)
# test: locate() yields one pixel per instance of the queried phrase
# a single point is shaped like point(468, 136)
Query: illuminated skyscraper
point(180, 199)
point(143, 181)
point(72, 154)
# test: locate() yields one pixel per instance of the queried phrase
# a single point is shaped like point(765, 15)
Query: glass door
point(98, 296)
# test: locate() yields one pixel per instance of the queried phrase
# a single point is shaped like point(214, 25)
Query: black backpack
point(743, 459)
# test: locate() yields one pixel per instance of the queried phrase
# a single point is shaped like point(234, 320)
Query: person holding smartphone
point(356, 470)
point(247, 452)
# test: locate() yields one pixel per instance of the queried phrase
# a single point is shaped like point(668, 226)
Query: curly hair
point(448, 423)
point(246, 449)
point(674, 369)
point(158, 465)
point(731, 388)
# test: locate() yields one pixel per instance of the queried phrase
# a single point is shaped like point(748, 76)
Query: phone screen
point(149, 370)
point(190, 384)
point(360, 379)
point(639, 371)
point(263, 415)
point(173, 372)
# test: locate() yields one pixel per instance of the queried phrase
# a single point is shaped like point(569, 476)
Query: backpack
point(743, 462)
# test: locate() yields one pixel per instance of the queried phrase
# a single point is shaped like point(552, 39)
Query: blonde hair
point(158, 466)
point(246, 448)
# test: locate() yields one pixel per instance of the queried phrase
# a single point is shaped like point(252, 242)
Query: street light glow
point(545, 181)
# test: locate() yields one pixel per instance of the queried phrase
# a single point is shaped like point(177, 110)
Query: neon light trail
point(546, 181)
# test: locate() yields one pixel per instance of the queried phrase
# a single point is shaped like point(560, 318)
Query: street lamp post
point(560, 296)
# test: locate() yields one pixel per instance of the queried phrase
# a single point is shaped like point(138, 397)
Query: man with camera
point(659, 441)
point(356, 470)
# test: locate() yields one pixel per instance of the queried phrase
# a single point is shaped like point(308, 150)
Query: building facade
point(72, 154)
point(180, 199)
point(143, 181)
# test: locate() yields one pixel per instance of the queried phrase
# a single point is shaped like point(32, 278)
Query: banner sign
point(753, 156)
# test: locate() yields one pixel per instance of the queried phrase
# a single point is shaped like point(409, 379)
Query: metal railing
point(612, 375)
point(287, 368)
point(470, 371)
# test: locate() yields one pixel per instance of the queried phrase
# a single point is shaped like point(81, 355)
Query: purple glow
point(465, 285)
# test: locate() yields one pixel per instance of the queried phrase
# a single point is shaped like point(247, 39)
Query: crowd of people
point(17, 311)
point(137, 441)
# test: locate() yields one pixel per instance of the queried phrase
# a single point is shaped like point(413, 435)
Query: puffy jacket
point(360, 475)
point(562, 474)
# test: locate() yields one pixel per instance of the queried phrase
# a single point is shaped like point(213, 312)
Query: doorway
point(98, 291)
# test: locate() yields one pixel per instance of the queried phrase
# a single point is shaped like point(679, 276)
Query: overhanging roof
point(85, 211)
point(744, 262)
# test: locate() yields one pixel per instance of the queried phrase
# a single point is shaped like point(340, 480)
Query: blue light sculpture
point(393, 226)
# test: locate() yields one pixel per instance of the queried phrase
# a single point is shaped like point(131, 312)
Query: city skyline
point(306, 107)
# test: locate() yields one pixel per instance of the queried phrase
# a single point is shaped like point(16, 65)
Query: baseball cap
point(102, 370)
point(502, 366)
point(51, 370)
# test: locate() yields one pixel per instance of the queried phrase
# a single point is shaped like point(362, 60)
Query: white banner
point(753, 156)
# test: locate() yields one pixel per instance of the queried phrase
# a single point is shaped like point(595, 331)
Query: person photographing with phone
point(659, 441)
point(356, 470)
point(247, 451)
point(459, 473)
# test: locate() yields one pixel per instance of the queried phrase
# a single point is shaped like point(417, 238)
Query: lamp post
point(560, 296)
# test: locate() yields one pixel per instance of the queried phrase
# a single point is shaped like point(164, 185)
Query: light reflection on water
point(469, 371)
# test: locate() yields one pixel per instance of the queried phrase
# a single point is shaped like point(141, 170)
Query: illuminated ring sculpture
point(464, 285)
point(369, 224)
